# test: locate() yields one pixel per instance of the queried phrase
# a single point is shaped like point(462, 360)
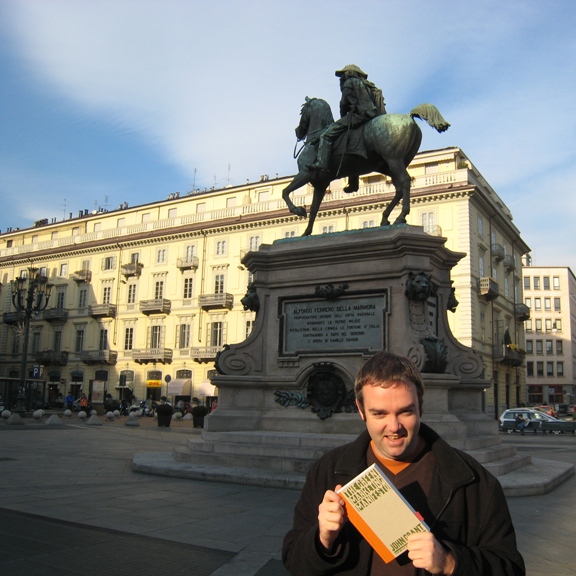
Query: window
point(546, 282)
point(190, 250)
point(108, 263)
point(120, 223)
point(368, 224)
point(529, 347)
point(327, 229)
point(428, 222)
point(480, 226)
point(530, 368)
point(83, 296)
point(231, 202)
point(549, 349)
point(536, 282)
point(75, 230)
point(106, 293)
point(547, 304)
point(156, 337)
point(128, 338)
point(131, 293)
point(54, 235)
point(221, 248)
point(537, 303)
point(200, 207)
point(43, 271)
point(79, 342)
point(528, 325)
point(63, 270)
point(528, 302)
point(481, 265)
point(159, 290)
point(558, 325)
point(539, 347)
point(249, 327)
point(539, 368)
point(183, 336)
point(97, 226)
point(264, 196)
point(172, 212)
point(506, 287)
point(103, 342)
point(85, 264)
point(216, 333)
point(559, 369)
point(290, 234)
point(134, 258)
point(557, 306)
point(556, 282)
point(187, 288)
point(526, 282)
point(549, 368)
point(538, 323)
point(57, 341)
point(254, 243)
point(60, 297)
point(548, 324)
point(559, 348)
point(145, 218)
point(161, 256)
point(219, 284)
point(35, 342)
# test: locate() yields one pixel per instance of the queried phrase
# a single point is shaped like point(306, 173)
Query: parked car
point(550, 410)
point(509, 416)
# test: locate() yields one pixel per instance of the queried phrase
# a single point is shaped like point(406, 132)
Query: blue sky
point(111, 101)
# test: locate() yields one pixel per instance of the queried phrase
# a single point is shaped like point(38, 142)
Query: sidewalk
point(80, 508)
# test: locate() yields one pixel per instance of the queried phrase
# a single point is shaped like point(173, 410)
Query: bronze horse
point(391, 142)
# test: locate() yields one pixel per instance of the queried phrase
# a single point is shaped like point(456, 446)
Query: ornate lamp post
point(30, 295)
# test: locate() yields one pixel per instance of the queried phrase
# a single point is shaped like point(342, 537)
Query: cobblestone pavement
point(70, 504)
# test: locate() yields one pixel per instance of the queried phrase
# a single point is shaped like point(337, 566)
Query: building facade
point(550, 294)
point(149, 294)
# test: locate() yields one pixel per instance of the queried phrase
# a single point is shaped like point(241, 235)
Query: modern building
point(550, 294)
point(144, 297)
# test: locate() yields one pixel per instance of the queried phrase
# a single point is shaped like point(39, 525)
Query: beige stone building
point(153, 291)
point(550, 294)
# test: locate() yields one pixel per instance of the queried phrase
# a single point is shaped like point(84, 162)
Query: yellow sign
point(154, 383)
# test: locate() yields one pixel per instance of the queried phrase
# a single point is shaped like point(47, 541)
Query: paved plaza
point(70, 504)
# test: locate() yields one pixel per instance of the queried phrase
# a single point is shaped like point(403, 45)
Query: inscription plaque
point(349, 324)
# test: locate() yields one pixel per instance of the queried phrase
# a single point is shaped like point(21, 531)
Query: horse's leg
point(401, 181)
point(301, 179)
point(319, 191)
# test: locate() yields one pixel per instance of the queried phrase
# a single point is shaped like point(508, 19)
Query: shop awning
point(206, 389)
point(180, 387)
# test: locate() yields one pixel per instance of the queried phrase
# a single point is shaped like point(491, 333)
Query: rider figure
point(361, 101)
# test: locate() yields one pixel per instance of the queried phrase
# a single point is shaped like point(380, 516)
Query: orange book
point(380, 513)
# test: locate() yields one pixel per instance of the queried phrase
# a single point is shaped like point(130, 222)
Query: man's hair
point(386, 369)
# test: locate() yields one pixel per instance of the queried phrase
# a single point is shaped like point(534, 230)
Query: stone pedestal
point(326, 304)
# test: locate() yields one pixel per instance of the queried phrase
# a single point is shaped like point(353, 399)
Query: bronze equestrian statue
point(364, 140)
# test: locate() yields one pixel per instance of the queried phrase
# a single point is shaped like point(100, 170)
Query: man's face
point(392, 417)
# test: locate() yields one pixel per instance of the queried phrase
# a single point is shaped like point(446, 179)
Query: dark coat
point(472, 517)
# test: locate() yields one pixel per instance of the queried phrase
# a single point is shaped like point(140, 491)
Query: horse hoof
point(300, 212)
point(385, 222)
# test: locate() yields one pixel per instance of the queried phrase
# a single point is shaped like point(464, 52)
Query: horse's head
point(315, 114)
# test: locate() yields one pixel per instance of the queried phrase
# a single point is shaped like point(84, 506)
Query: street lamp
point(30, 295)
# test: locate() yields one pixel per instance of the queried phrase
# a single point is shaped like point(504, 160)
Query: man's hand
point(331, 517)
point(426, 552)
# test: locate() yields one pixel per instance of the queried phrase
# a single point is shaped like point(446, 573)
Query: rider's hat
point(351, 68)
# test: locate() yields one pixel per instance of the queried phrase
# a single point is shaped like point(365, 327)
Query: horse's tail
point(430, 113)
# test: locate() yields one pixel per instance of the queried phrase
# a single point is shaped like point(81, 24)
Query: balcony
point(498, 252)
point(13, 317)
point(51, 357)
point(99, 356)
point(205, 354)
point(216, 301)
point(512, 356)
point(55, 315)
point(509, 263)
point(187, 263)
point(102, 310)
point(156, 306)
point(522, 312)
point(132, 269)
point(488, 288)
point(82, 276)
point(146, 355)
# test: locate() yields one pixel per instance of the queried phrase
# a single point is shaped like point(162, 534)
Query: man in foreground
point(463, 504)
